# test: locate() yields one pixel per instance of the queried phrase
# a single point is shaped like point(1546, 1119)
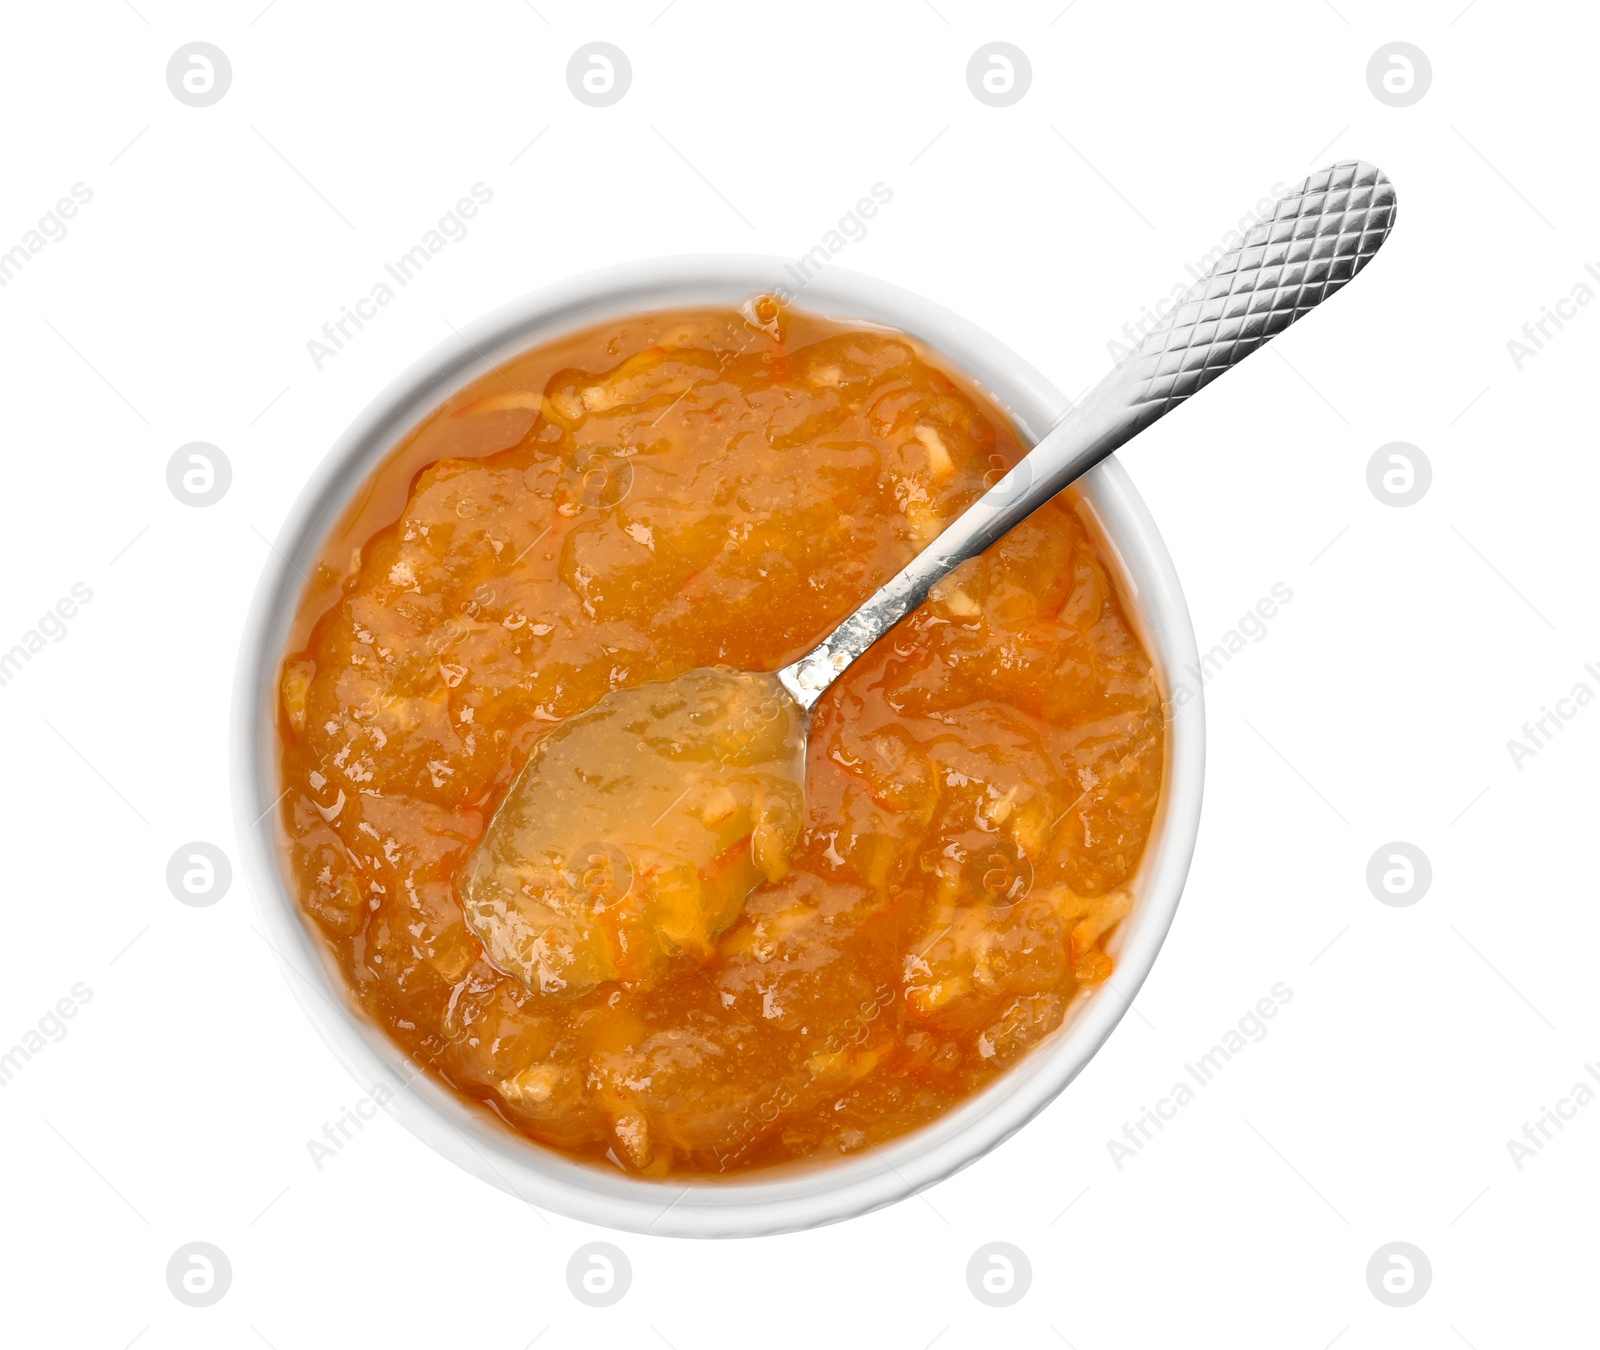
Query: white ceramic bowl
point(756, 1203)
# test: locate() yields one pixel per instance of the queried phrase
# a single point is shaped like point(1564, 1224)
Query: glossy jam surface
point(711, 490)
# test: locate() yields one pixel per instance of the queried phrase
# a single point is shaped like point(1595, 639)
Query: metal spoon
point(607, 773)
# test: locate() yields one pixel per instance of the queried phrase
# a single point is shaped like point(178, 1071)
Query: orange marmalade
point(719, 488)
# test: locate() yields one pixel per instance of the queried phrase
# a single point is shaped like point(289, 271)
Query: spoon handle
point(1320, 234)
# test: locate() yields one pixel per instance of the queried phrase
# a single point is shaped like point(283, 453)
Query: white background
point(179, 1104)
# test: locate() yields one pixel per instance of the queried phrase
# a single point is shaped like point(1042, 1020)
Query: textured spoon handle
point(1320, 234)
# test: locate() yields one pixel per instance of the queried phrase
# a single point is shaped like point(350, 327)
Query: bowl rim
point(763, 1202)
